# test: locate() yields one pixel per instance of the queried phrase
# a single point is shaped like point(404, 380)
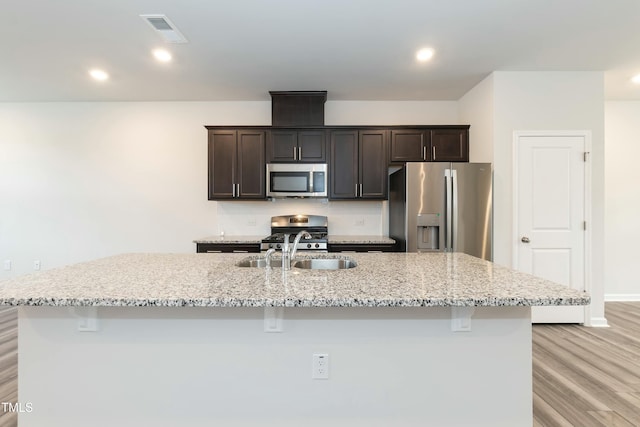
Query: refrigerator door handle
point(454, 210)
point(448, 209)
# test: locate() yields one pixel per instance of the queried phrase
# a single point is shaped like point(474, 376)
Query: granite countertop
point(355, 239)
point(214, 280)
point(364, 239)
point(231, 239)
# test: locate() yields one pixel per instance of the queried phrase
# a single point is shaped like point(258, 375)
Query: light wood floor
point(588, 376)
point(582, 377)
point(8, 363)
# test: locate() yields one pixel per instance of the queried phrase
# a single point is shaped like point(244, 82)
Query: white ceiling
point(354, 49)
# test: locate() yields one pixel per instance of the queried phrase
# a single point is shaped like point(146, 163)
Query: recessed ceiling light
point(425, 54)
point(162, 55)
point(636, 79)
point(99, 75)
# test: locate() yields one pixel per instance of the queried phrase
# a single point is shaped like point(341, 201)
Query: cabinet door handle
point(424, 153)
point(356, 190)
point(295, 153)
point(433, 152)
point(238, 190)
point(299, 153)
point(233, 190)
point(360, 190)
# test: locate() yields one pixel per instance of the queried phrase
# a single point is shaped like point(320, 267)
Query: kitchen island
point(194, 340)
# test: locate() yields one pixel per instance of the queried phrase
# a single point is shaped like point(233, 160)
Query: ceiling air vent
point(165, 28)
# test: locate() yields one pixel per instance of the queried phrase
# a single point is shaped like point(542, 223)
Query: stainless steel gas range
point(316, 225)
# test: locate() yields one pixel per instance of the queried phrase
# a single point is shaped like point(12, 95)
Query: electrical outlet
point(359, 222)
point(36, 264)
point(7, 264)
point(320, 370)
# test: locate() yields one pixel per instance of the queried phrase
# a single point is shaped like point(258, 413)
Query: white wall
point(548, 101)
point(391, 113)
point(477, 109)
point(80, 181)
point(622, 200)
point(86, 180)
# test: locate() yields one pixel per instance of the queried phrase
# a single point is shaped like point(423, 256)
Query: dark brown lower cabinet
point(362, 247)
point(227, 247)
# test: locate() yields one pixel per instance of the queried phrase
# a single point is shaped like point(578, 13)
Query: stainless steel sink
point(311, 263)
point(324, 263)
point(259, 262)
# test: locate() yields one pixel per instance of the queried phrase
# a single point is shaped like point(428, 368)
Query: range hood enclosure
point(298, 108)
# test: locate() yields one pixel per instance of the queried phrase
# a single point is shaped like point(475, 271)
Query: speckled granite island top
point(214, 280)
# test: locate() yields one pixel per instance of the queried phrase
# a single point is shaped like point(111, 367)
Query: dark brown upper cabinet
point(296, 146)
point(410, 145)
point(449, 145)
point(429, 144)
point(358, 164)
point(236, 164)
point(297, 108)
point(358, 157)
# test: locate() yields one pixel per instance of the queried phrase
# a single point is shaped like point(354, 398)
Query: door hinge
point(584, 225)
point(585, 156)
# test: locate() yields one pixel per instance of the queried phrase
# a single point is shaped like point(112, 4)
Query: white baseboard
point(621, 297)
point(597, 322)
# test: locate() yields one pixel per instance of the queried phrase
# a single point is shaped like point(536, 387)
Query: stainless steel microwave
point(296, 180)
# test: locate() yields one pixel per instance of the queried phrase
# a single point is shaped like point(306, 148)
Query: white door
point(550, 214)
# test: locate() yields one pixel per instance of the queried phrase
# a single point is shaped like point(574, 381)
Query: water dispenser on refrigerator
point(428, 230)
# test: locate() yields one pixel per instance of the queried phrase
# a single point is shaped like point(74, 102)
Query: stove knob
point(270, 245)
point(309, 245)
point(278, 246)
point(317, 245)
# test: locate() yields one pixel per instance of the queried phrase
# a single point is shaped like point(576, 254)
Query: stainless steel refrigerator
point(442, 207)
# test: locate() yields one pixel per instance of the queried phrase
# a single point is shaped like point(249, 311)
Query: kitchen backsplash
point(345, 218)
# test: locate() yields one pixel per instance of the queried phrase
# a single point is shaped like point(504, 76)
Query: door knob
point(525, 239)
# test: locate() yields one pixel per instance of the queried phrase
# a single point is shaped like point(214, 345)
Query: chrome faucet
point(286, 255)
point(303, 233)
point(267, 256)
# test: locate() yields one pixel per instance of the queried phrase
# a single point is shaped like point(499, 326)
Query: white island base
point(203, 366)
